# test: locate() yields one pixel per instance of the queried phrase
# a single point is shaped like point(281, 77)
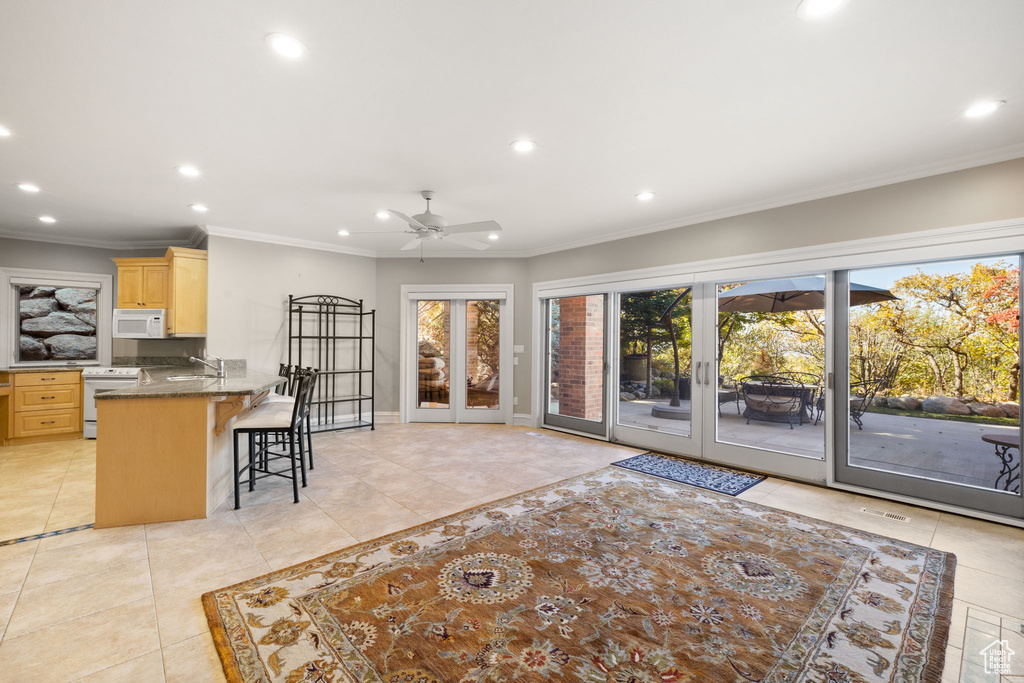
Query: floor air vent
point(887, 515)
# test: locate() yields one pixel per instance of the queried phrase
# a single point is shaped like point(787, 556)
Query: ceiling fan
point(430, 226)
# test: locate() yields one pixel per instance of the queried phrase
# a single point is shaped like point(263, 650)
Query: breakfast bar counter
point(163, 449)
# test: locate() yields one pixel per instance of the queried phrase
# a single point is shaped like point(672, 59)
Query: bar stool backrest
point(289, 373)
point(305, 381)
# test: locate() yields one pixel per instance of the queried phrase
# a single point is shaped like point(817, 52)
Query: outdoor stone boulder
point(626, 396)
point(904, 403)
point(37, 308)
point(71, 347)
point(944, 405)
point(73, 296)
point(986, 409)
point(428, 350)
point(32, 349)
point(880, 402)
point(39, 292)
point(60, 322)
point(1010, 408)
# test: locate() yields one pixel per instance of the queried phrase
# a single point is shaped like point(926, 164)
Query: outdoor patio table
point(805, 392)
point(1010, 469)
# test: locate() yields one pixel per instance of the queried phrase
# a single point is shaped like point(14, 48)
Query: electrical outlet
point(515, 400)
point(515, 361)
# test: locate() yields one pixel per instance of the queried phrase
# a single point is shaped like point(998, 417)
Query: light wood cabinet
point(176, 282)
point(142, 283)
point(45, 406)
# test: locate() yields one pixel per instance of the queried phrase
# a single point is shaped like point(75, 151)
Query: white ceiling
point(718, 107)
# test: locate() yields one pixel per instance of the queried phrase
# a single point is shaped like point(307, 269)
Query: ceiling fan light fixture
point(816, 9)
point(286, 45)
point(524, 146)
point(343, 232)
point(644, 196)
point(983, 108)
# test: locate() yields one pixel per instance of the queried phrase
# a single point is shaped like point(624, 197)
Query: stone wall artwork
point(57, 323)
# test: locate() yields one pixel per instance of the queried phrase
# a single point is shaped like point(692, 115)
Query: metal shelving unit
point(336, 336)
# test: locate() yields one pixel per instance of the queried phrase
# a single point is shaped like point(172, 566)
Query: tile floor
point(123, 604)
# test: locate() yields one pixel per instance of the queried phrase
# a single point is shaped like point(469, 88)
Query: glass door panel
point(930, 393)
point(770, 345)
point(433, 340)
point(575, 366)
point(483, 355)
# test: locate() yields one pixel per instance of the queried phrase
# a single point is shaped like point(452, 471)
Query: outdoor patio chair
point(728, 392)
point(861, 395)
point(813, 389)
point(772, 398)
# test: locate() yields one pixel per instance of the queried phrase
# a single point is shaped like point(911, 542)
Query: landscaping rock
point(1010, 408)
point(32, 349)
point(428, 363)
point(72, 296)
point(986, 409)
point(904, 403)
point(880, 402)
point(37, 308)
point(944, 405)
point(56, 323)
point(626, 396)
point(71, 347)
point(428, 350)
point(39, 292)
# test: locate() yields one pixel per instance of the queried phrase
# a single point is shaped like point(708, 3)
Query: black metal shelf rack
point(336, 336)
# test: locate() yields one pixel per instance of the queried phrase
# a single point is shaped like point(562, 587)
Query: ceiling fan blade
point(468, 243)
point(412, 245)
point(379, 232)
point(482, 226)
point(408, 219)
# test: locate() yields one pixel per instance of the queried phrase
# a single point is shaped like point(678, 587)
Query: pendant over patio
point(793, 294)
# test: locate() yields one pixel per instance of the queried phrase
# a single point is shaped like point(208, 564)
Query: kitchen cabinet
point(45, 406)
point(142, 282)
point(175, 282)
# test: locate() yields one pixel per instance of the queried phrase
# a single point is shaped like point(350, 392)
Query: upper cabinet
point(176, 282)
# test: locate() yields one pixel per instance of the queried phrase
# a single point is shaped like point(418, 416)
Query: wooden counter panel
point(151, 460)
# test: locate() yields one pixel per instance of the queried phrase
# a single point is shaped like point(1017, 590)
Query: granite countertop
point(239, 382)
point(52, 368)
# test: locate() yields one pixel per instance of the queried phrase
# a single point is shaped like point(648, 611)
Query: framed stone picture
point(57, 323)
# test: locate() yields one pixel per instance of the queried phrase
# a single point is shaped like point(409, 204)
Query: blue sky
point(885, 277)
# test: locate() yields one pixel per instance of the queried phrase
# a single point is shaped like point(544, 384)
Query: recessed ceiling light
point(524, 146)
point(201, 208)
point(645, 196)
point(982, 108)
point(5, 132)
point(492, 237)
point(286, 45)
point(813, 9)
point(190, 171)
point(47, 219)
point(28, 187)
point(383, 215)
point(343, 233)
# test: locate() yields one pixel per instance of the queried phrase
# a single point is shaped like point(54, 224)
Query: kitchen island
point(163, 449)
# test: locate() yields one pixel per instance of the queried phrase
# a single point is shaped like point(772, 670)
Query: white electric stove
point(98, 381)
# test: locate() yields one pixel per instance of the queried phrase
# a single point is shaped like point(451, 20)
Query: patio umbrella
point(792, 294)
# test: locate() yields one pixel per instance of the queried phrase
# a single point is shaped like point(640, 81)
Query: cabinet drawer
point(47, 398)
point(41, 423)
point(46, 379)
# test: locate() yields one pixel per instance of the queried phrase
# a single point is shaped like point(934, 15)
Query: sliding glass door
point(928, 396)
point(575, 396)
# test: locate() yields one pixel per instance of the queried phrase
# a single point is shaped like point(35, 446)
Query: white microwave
point(139, 323)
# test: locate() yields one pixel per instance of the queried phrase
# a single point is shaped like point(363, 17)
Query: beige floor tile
point(7, 602)
point(283, 529)
point(193, 661)
point(13, 571)
point(185, 552)
point(980, 551)
point(919, 517)
point(60, 601)
point(989, 591)
point(879, 525)
point(18, 549)
point(951, 668)
point(310, 552)
point(434, 500)
point(180, 612)
point(86, 645)
point(149, 668)
point(113, 534)
point(93, 555)
point(383, 519)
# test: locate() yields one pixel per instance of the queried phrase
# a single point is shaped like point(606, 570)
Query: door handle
point(696, 375)
point(707, 374)
point(831, 383)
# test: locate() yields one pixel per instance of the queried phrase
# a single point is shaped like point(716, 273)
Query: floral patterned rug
point(612, 576)
point(706, 476)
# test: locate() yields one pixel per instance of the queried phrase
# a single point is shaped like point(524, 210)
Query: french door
point(575, 394)
point(460, 348)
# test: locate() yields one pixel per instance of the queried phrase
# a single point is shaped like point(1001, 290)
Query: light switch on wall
point(518, 348)
point(515, 361)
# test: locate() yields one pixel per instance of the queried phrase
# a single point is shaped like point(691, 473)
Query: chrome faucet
point(219, 367)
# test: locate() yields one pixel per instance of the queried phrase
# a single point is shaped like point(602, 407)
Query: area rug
point(712, 477)
point(612, 576)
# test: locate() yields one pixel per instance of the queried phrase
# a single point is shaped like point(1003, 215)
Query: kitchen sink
point(186, 378)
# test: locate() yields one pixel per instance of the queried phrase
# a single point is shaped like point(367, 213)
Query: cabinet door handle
point(48, 423)
point(47, 398)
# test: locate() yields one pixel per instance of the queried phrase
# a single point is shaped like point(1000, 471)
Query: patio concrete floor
point(938, 449)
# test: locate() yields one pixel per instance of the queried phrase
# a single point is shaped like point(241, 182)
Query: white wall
point(249, 284)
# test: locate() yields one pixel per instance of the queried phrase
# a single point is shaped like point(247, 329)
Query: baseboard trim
point(389, 417)
point(523, 420)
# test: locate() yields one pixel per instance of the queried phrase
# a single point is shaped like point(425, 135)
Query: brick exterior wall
point(581, 357)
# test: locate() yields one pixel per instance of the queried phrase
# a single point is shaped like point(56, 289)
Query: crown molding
point(218, 231)
point(193, 240)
